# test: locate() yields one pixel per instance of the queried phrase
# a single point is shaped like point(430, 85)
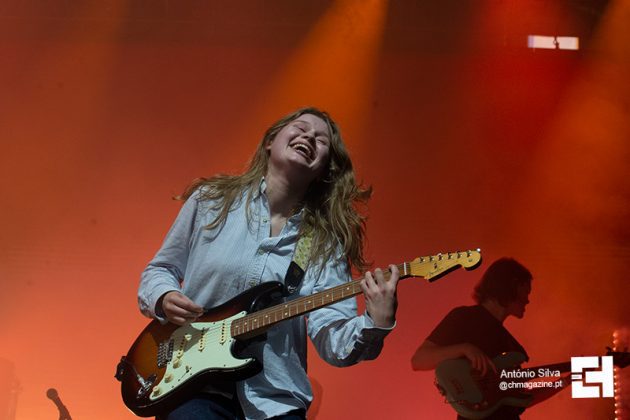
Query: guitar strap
point(297, 268)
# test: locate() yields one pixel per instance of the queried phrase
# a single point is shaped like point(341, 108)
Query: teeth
point(303, 148)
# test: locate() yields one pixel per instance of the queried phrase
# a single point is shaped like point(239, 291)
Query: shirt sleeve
point(341, 337)
point(166, 270)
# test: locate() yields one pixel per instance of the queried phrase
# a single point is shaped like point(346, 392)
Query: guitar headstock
point(621, 359)
point(434, 266)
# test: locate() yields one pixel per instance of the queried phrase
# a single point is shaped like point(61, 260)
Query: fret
point(429, 267)
point(299, 306)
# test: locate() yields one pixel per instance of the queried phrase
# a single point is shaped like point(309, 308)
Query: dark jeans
point(217, 407)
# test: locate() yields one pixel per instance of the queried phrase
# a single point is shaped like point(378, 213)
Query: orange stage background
point(108, 109)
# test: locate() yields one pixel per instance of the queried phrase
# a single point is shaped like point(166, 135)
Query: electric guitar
point(475, 397)
point(167, 363)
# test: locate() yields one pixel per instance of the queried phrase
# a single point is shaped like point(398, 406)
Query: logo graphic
point(589, 376)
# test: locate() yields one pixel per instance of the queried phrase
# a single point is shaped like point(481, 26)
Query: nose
point(309, 135)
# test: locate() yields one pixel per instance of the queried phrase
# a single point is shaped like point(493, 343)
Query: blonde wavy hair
point(329, 206)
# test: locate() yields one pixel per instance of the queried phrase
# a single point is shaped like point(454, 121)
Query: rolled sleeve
point(166, 270)
point(374, 333)
point(341, 337)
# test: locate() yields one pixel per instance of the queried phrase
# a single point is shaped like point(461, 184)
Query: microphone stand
point(64, 414)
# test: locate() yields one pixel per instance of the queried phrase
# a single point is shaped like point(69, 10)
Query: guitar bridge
point(443, 392)
point(165, 353)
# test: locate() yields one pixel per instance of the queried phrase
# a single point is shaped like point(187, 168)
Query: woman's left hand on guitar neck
point(380, 296)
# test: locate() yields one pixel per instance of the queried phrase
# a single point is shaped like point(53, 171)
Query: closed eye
point(300, 127)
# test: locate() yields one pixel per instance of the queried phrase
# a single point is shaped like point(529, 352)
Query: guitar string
point(291, 306)
point(496, 380)
point(277, 312)
point(401, 267)
point(209, 334)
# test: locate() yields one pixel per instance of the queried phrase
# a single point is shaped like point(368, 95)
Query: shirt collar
point(262, 187)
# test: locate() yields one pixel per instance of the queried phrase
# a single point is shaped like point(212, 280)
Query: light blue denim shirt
point(213, 266)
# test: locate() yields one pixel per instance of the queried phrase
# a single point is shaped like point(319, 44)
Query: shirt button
point(260, 251)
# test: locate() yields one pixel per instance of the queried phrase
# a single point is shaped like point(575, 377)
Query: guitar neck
point(431, 268)
point(258, 322)
point(562, 367)
point(620, 359)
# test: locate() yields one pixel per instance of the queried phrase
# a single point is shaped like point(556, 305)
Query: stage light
point(553, 42)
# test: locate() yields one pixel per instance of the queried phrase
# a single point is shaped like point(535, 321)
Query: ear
point(268, 145)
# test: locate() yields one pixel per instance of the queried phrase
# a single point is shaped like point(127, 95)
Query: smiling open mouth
point(304, 150)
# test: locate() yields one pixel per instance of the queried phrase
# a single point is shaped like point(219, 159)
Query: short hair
point(501, 281)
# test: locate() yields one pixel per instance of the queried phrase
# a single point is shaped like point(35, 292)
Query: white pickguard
point(198, 347)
